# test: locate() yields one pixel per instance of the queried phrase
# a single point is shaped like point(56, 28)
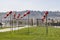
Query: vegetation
point(35, 33)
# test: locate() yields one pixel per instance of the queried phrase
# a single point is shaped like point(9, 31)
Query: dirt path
point(10, 29)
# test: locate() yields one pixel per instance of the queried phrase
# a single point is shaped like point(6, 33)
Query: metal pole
point(37, 22)
point(1, 20)
point(28, 23)
point(46, 26)
point(11, 22)
point(32, 22)
point(18, 24)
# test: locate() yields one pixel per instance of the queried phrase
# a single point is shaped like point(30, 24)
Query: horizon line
point(32, 10)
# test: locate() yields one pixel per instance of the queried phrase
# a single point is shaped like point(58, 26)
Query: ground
point(35, 33)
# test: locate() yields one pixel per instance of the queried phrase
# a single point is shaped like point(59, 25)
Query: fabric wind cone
point(43, 18)
point(18, 16)
point(46, 13)
point(28, 12)
point(14, 15)
point(8, 14)
point(25, 14)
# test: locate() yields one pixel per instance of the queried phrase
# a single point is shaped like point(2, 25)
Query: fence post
point(32, 22)
point(37, 22)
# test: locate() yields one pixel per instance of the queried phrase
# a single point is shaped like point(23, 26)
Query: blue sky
point(20, 5)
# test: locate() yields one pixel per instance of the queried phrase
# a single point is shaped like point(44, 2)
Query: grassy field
point(35, 33)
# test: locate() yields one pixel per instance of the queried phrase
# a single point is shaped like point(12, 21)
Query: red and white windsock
point(28, 12)
point(18, 16)
point(25, 14)
point(14, 15)
point(43, 18)
point(8, 14)
point(46, 13)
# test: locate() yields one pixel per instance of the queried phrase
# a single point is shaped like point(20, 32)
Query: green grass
point(35, 33)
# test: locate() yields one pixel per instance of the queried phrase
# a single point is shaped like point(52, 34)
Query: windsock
point(46, 13)
point(28, 12)
point(18, 16)
point(8, 14)
point(43, 18)
point(25, 14)
point(14, 15)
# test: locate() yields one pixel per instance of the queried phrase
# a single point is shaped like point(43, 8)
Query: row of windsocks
point(18, 16)
point(25, 14)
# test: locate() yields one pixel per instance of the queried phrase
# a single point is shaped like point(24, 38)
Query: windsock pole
point(28, 20)
point(1, 20)
point(10, 13)
point(46, 13)
point(45, 17)
point(46, 26)
point(18, 21)
point(14, 18)
point(28, 23)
